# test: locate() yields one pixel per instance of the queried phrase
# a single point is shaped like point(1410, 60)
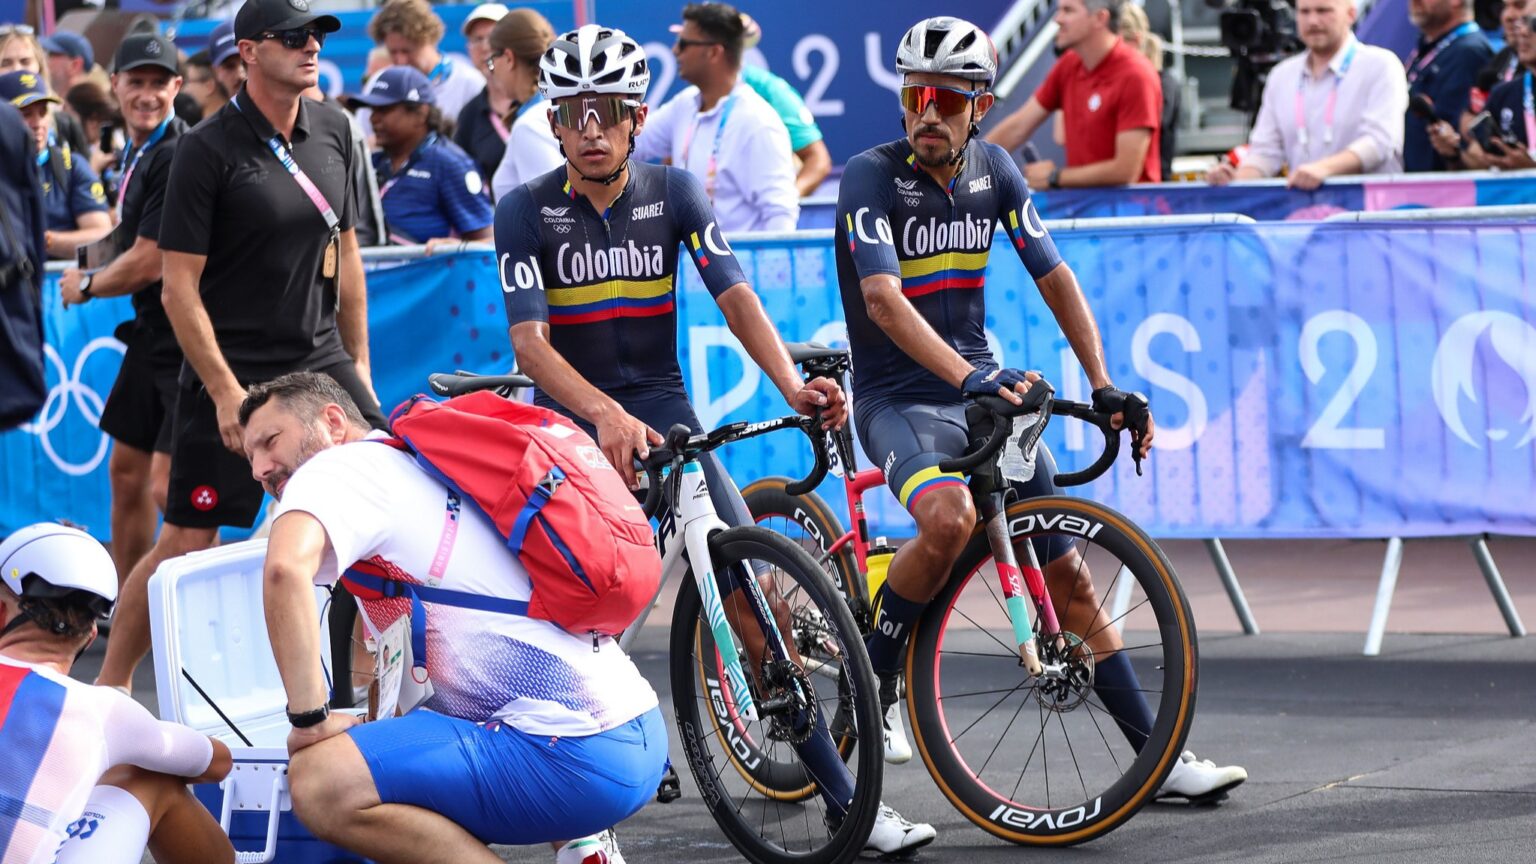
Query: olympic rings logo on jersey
point(71, 389)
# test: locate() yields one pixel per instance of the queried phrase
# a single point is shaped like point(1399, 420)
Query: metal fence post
point(1229, 581)
point(1496, 585)
point(1390, 565)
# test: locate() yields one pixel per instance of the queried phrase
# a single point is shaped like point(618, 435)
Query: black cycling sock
point(833, 780)
point(894, 617)
point(1117, 687)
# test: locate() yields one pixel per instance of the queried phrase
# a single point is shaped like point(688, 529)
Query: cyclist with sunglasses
point(588, 258)
point(914, 227)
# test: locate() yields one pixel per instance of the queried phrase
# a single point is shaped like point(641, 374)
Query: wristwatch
point(1055, 179)
point(306, 719)
point(85, 284)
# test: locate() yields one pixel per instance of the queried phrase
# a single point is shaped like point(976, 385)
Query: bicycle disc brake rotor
point(788, 702)
point(1068, 677)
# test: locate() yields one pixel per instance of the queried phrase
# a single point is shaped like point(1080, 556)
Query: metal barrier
point(1440, 214)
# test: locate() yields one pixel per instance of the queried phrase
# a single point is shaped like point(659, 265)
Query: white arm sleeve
point(135, 737)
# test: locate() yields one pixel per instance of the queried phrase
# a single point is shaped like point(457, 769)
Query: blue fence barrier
point(1271, 201)
point(1308, 380)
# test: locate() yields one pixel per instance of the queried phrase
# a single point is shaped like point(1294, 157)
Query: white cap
point(484, 12)
point(61, 556)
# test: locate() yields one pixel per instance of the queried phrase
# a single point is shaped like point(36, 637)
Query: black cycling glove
point(986, 383)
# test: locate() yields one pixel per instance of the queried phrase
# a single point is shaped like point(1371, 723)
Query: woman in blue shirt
point(73, 200)
point(432, 190)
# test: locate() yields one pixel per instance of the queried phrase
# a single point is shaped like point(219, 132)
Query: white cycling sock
point(113, 829)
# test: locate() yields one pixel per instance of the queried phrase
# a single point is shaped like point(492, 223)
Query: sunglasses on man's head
point(917, 97)
point(14, 29)
point(608, 111)
point(294, 40)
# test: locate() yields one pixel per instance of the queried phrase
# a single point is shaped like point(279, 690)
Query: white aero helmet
point(948, 46)
point(594, 60)
point(62, 559)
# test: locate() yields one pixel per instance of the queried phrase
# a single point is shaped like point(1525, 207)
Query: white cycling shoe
point(894, 838)
point(600, 848)
point(1200, 781)
point(897, 749)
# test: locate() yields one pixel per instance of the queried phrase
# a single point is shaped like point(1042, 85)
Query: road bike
point(1000, 693)
point(764, 653)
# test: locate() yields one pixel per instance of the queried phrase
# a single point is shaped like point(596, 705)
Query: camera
point(1259, 34)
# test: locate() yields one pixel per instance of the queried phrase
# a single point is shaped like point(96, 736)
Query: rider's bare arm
point(1065, 297)
point(891, 310)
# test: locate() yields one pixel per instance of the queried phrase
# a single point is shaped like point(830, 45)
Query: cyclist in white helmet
point(87, 775)
point(588, 263)
point(916, 319)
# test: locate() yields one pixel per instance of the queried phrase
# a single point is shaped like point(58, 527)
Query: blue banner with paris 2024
point(1308, 380)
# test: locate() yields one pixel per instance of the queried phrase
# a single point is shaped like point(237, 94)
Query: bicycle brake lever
point(1136, 437)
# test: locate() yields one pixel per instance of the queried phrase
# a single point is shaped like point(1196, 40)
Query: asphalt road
point(1424, 754)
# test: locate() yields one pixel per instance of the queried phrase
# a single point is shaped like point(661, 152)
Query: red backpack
point(564, 511)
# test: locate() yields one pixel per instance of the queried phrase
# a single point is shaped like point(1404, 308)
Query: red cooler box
point(206, 621)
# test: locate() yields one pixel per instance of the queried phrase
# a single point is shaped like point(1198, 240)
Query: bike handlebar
point(1041, 398)
point(682, 445)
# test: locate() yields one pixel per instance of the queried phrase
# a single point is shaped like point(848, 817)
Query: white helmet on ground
point(594, 60)
point(948, 46)
point(62, 560)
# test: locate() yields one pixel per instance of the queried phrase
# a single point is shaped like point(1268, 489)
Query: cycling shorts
point(909, 440)
point(506, 786)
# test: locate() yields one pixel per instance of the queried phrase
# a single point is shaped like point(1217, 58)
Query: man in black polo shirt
point(1442, 68)
point(138, 412)
point(262, 278)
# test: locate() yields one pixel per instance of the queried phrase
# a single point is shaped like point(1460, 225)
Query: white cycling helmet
point(948, 46)
point(594, 60)
point(62, 559)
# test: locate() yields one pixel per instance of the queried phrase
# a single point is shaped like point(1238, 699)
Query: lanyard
point(440, 72)
point(154, 138)
point(1512, 68)
point(1333, 98)
point(275, 143)
point(394, 178)
point(42, 154)
point(1530, 116)
point(1417, 65)
point(517, 112)
point(714, 154)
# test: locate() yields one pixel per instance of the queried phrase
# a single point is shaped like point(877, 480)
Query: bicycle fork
point(1014, 581)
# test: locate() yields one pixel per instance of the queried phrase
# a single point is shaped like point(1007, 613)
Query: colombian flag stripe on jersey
point(615, 298)
point(943, 272)
point(30, 706)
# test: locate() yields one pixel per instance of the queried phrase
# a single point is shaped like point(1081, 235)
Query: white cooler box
point(205, 616)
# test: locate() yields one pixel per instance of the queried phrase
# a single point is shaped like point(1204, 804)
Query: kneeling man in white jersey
point(518, 732)
point(87, 775)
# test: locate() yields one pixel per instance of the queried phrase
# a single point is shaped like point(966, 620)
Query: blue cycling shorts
point(506, 786)
point(909, 440)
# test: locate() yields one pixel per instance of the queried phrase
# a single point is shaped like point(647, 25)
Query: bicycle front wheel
point(750, 772)
point(1045, 761)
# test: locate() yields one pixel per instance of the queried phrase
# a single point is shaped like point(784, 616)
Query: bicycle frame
point(1013, 579)
point(693, 520)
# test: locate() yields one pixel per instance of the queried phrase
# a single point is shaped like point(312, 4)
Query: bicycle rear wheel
point(749, 773)
point(1042, 761)
point(809, 521)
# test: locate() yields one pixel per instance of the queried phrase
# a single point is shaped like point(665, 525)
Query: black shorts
point(909, 440)
point(211, 485)
point(143, 399)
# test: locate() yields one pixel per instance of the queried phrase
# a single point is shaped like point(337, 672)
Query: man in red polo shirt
point(1110, 99)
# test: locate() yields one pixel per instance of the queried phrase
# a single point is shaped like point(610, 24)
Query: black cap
point(145, 49)
point(274, 16)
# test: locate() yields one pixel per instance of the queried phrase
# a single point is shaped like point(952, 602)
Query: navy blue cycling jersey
point(894, 218)
point(438, 192)
point(606, 282)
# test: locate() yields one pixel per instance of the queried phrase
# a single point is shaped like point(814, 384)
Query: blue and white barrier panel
point(1307, 380)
